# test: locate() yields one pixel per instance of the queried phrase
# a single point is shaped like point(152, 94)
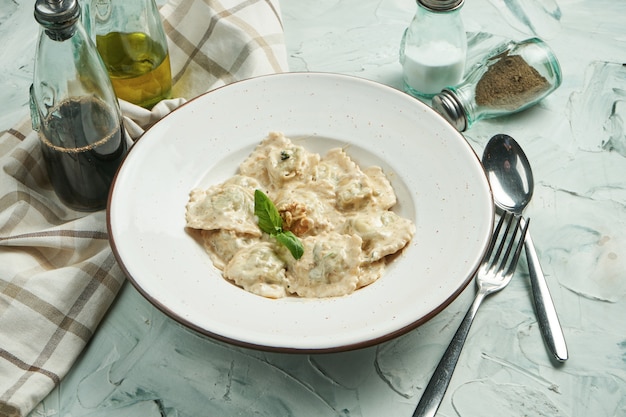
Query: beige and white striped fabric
point(58, 276)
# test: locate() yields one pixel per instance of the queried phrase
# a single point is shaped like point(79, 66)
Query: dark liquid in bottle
point(83, 145)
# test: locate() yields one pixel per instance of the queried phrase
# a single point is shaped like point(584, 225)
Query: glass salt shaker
point(512, 78)
point(74, 109)
point(131, 40)
point(433, 48)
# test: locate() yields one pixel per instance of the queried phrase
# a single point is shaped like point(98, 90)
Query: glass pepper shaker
point(433, 48)
point(131, 40)
point(74, 109)
point(513, 77)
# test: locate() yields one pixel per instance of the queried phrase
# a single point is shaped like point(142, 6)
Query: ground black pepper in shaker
point(513, 77)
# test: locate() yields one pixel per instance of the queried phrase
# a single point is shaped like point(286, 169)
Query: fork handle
point(544, 306)
point(438, 384)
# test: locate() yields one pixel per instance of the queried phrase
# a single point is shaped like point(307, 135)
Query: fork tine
point(497, 242)
point(508, 217)
point(505, 242)
point(520, 245)
point(492, 242)
point(511, 240)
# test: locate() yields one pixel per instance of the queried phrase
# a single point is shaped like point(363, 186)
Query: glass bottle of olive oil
point(131, 41)
point(139, 67)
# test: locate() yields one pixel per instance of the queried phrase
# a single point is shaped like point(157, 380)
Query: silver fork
point(494, 273)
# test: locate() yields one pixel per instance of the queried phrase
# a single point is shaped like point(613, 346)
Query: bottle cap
point(448, 105)
point(441, 5)
point(57, 16)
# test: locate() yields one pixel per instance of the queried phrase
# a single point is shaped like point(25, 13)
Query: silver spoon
point(511, 180)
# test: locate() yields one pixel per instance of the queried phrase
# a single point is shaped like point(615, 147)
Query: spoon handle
point(544, 307)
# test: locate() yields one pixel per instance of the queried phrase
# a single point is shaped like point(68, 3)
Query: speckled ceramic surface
point(438, 179)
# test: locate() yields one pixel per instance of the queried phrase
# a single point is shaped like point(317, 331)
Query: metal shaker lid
point(441, 5)
point(57, 16)
point(449, 106)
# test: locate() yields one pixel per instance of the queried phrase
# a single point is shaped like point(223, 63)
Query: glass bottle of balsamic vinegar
point(74, 109)
point(131, 40)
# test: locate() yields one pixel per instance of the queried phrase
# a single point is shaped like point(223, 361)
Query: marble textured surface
point(142, 363)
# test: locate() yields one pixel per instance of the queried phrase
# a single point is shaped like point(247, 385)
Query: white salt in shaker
point(433, 48)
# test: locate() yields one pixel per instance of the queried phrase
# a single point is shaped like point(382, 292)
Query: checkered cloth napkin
point(58, 276)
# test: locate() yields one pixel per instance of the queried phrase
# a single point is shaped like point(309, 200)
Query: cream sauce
point(340, 212)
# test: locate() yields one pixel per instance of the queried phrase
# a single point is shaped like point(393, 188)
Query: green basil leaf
point(271, 223)
point(291, 242)
point(269, 219)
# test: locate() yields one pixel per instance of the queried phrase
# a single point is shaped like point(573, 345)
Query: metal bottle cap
point(448, 105)
point(441, 5)
point(57, 17)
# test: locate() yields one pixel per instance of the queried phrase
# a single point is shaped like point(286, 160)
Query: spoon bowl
point(509, 173)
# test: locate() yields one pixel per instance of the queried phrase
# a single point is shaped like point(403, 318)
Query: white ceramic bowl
point(437, 177)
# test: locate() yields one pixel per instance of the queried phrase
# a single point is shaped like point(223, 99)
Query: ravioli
point(329, 266)
point(228, 206)
point(304, 212)
point(277, 161)
point(223, 244)
point(383, 233)
point(341, 213)
point(259, 270)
